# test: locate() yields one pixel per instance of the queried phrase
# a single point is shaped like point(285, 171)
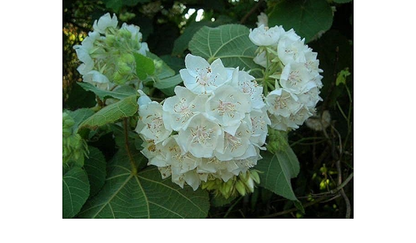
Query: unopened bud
point(240, 188)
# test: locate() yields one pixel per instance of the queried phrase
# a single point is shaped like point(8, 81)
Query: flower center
point(232, 142)
point(227, 108)
point(200, 135)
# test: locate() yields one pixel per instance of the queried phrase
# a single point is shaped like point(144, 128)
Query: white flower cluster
point(107, 53)
point(213, 128)
point(293, 68)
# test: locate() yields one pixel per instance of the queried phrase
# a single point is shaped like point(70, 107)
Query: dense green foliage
point(310, 173)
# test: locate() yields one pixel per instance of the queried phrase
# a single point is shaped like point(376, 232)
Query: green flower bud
point(110, 39)
point(240, 188)
point(123, 68)
point(255, 176)
point(127, 58)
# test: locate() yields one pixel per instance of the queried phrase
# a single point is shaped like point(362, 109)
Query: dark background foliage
point(326, 157)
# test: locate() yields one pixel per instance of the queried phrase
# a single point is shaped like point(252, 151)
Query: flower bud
point(110, 40)
point(240, 188)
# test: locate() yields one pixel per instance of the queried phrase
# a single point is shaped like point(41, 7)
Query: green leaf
point(277, 171)
point(144, 195)
point(228, 42)
point(144, 66)
point(109, 114)
point(181, 44)
point(95, 166)
point(307, 18)
point(75, 190)
point(167, 85)
point(120, 92)
point(342, 76)
point(162, 70)
point(164, 77)
point(80, 115)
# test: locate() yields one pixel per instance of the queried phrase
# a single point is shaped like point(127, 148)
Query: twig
point(244, 19)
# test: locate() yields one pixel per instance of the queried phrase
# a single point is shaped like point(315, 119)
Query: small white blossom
point(247, 84)
point(264, 36)
point(105, 21)
point(151, 124)
point(202, 78)
point(296, 78)
point(201, 137)
point(291, 48)
point(179, 109)
point(228, 106)
point(282, 103)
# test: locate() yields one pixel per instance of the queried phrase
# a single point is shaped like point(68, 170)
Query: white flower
point(280, 102)
point(301, 115)
point(291, 48)
point(296, 78)
point(202, 78)
point(151, 124)
point(105, 22)
point(179, 109)
point(201, 137)
point(264, 36)
point(259, 121)
point(228, 106)
point(246, 83)
point(136, 35)
point(310, 98)
point(235, 145)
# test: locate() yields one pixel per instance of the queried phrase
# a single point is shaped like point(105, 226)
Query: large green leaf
point(75, 190)
point(109, 114)
point(144, 195)
point(118, 93)
point(307, 18)
point(277, 170)
point(228, 42)
point(181, 44)
point(95, 166)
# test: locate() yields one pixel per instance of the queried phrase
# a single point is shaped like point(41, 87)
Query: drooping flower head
point(212, 129)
